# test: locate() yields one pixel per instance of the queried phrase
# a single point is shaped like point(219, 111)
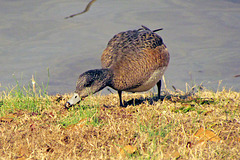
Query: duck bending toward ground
point(134, 61)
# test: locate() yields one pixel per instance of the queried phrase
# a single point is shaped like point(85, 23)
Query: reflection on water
point(203, 39)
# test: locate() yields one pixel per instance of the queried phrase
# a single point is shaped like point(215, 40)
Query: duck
point(133, 61)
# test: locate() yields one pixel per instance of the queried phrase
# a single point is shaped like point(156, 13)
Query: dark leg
point(159, 84)
point(120, 98)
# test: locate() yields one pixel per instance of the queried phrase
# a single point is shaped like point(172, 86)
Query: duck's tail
point(146, 28)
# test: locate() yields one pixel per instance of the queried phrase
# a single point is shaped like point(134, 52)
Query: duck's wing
point(121, 44)
point(132, 71)
point(129, 42)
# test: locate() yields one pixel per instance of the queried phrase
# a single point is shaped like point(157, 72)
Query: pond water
point(203, 38)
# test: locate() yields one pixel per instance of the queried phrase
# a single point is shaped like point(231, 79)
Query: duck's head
point(88, 83)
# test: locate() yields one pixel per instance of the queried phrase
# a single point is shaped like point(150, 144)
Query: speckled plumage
point(133, 56)
point(133, 61)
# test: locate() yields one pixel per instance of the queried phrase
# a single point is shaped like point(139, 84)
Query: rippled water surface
point(203, 38)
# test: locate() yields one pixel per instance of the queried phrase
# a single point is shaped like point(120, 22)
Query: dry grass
point(146, 129)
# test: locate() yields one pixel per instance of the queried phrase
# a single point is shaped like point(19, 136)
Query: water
point(203, 38)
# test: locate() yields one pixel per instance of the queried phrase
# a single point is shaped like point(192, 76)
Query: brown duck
point(134, 61)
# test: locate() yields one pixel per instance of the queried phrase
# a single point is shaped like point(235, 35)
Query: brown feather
point(133, 56)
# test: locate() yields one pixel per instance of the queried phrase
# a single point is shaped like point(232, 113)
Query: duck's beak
point(75, 99)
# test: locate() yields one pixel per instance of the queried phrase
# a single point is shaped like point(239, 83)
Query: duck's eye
point(75, 96)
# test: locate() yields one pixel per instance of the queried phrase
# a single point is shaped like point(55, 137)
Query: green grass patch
point(24, 98)
point(78, 113)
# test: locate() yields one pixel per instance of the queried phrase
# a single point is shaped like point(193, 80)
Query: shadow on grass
point(151, 100)
point(186, 98)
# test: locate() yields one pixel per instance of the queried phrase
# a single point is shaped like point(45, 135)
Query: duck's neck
point(93, 81)
point(103, 77)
